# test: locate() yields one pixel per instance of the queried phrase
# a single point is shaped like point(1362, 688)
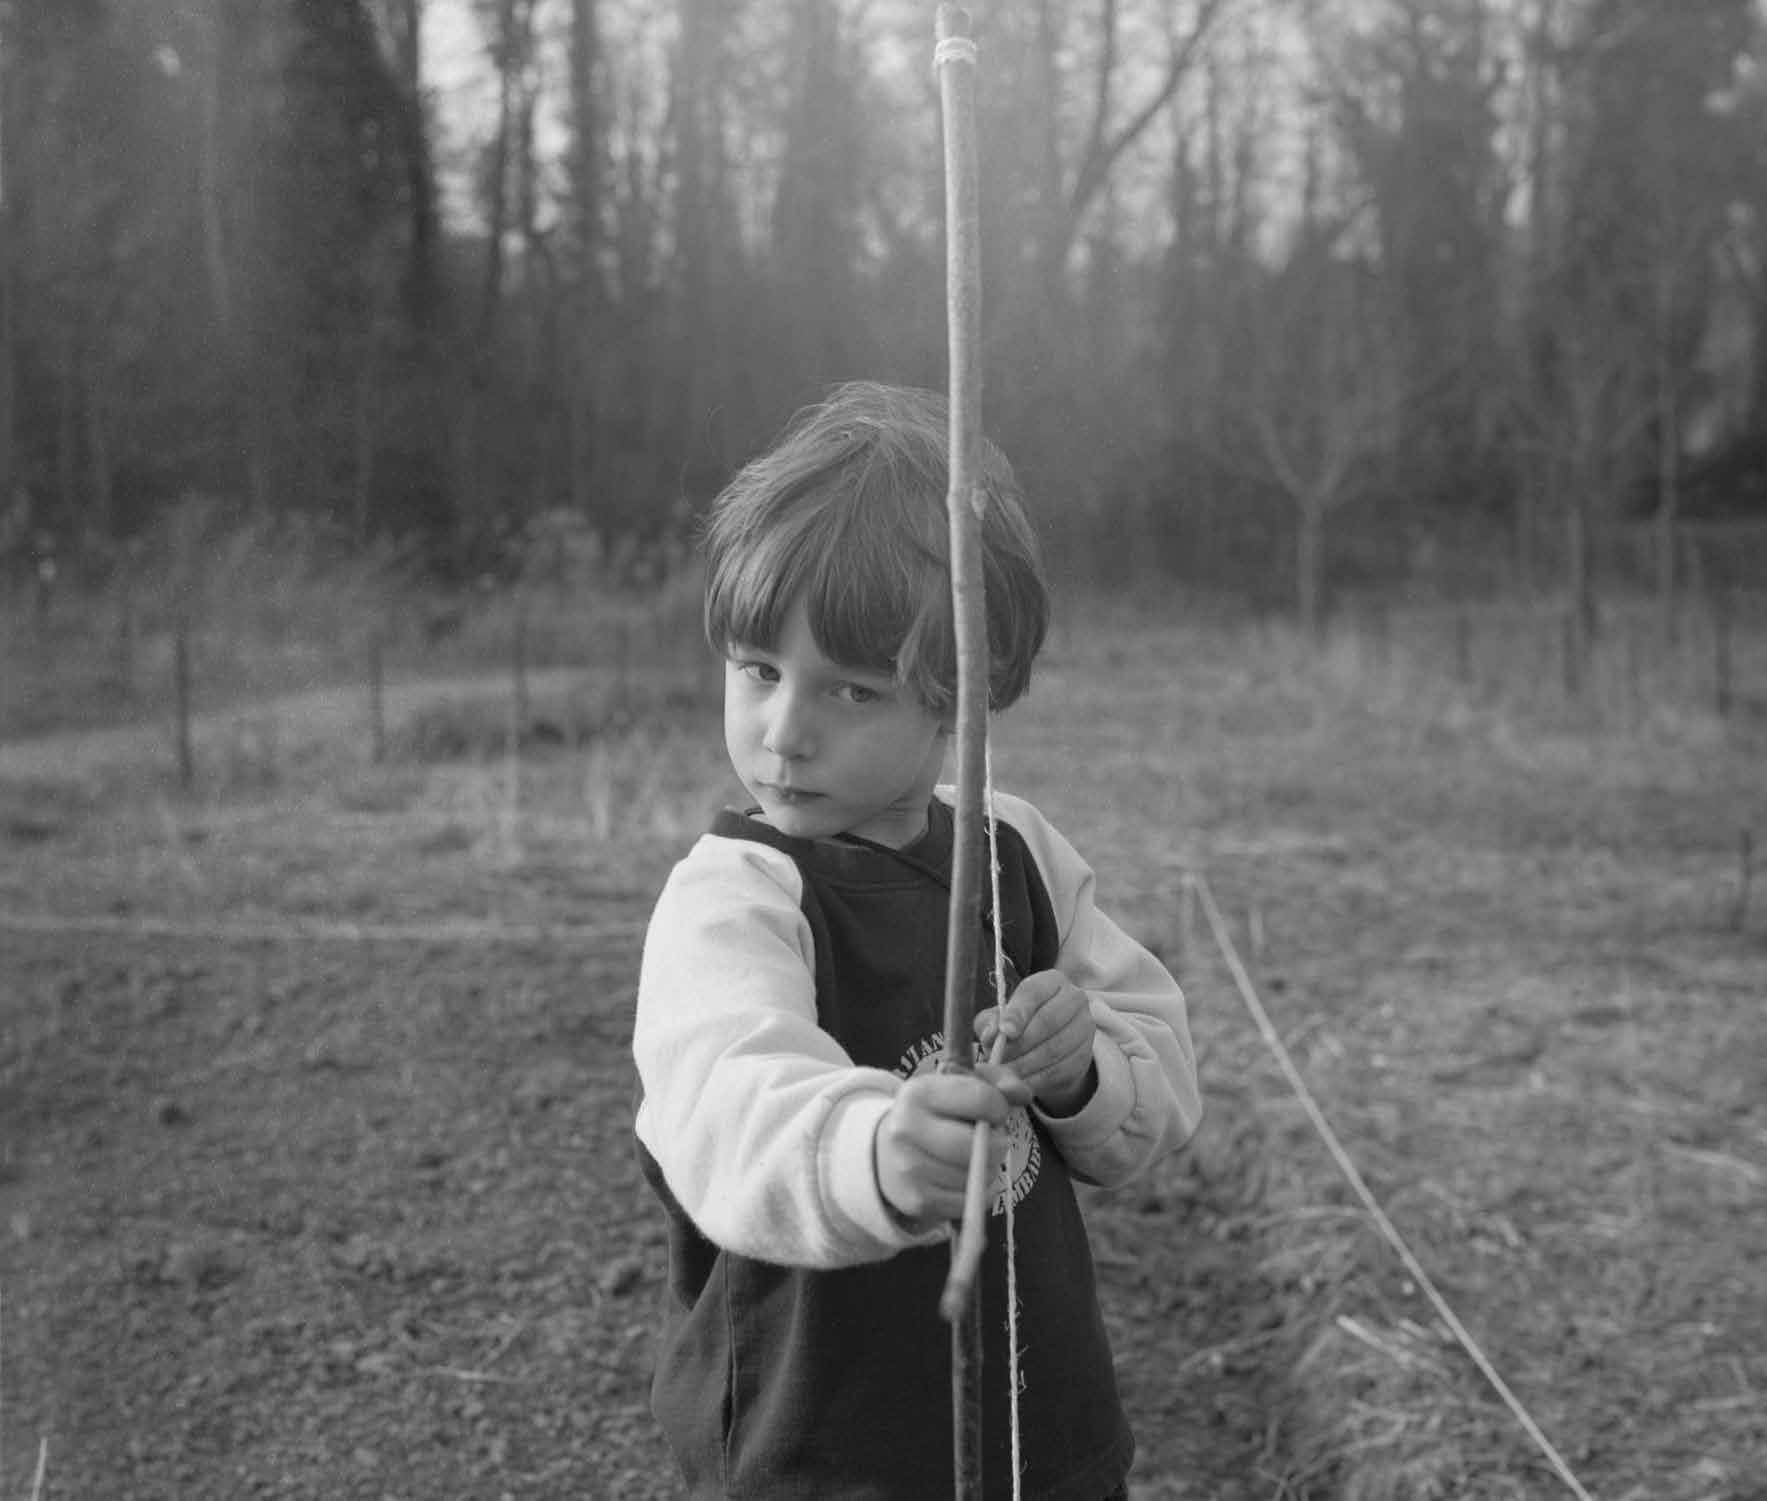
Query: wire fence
point(557, 659)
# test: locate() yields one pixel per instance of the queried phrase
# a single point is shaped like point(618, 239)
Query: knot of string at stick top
point(954, 49)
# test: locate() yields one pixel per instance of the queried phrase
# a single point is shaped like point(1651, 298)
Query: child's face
point(826, 749)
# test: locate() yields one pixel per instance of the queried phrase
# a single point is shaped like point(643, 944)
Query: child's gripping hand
point(921, 1151)
point(1049, 1030)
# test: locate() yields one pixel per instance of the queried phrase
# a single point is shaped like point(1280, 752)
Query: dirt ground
point(316, 1176)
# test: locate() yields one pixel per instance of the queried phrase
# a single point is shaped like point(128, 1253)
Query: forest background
point(1292, 298)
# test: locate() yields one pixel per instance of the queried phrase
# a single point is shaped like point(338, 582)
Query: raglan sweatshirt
point(788, 989)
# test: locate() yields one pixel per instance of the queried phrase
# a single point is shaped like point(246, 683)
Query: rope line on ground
point(1347, 1166)
point(321, 930)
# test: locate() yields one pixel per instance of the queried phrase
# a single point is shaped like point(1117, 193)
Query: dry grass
point(1499, 933)
point(1501, 938)
point(268, 614)
point(40, 1475)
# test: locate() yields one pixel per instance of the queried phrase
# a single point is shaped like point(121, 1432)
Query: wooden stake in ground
point(182, 691)
point(955, 60)
point(1721, 650)
point(377, 713)
point(518, 667)
point(1745, 872)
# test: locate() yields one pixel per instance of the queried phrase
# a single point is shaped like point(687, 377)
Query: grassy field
point(315, 1162)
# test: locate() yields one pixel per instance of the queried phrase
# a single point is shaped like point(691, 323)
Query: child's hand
point(921, 1150)
point(1048, 1026)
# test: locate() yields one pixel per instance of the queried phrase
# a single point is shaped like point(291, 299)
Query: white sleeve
point(760, 1121)
point(1147, 1102)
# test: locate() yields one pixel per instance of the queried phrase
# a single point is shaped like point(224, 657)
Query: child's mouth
point(791, 797)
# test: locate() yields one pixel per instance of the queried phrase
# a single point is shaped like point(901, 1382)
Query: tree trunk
point(210, 175)
point(422, 282)
point(1310, 565)
point(1668, 488)
point(582, 409)
point(1527, 508)
point(1104, 145)
point(67, 429)
point(250, 399)
point(698, 176)
point(509, 56)
point(98, 448)
point(367, 401)
point(8, 355)
point(1579, 590)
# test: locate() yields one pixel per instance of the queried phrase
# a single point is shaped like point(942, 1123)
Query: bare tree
point(507, 162)
point(8, 353)
point(1579, 407)
point(588, 291)
point(1323, 400)
point(815, 219)
point(1114, 124)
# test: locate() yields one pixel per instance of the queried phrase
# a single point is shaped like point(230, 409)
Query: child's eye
point(760, 672)
point(857, 693)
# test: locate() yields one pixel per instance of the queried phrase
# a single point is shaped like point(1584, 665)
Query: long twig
point(972, 1235)
point(955, 59)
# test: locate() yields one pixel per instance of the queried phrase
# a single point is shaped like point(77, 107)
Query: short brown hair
point(846, 511)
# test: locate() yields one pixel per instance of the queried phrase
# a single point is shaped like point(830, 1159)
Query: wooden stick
point(955, 59)
point(972, 1235)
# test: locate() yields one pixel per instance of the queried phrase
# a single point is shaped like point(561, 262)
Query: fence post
point(181, 685)
point(1745, 858)
point(1667, 577)
point(1380, 629)
point(1569, 649)
point(125, 642)
point(377, 694)
point(622, 666)
point(1694, 571)
point(1634, 677)
point(1721, 653)
point(43, 574)
point(519, 668)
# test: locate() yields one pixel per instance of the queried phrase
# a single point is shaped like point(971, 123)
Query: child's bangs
point(750, 589)
point(870, 587)
point(868, 593)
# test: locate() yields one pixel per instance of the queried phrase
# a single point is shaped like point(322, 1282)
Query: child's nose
point(789, 733)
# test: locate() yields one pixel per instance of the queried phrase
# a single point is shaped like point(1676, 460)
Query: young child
point(808, 1155)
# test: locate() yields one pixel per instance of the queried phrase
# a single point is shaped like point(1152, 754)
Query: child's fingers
point(940, 1109)
point(924, 1141)
point(968, 1098)
point(1033, 994)
point(1039, 1008)
point(995, 1022)
point(1072, 1035)
point(1007, 1081)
